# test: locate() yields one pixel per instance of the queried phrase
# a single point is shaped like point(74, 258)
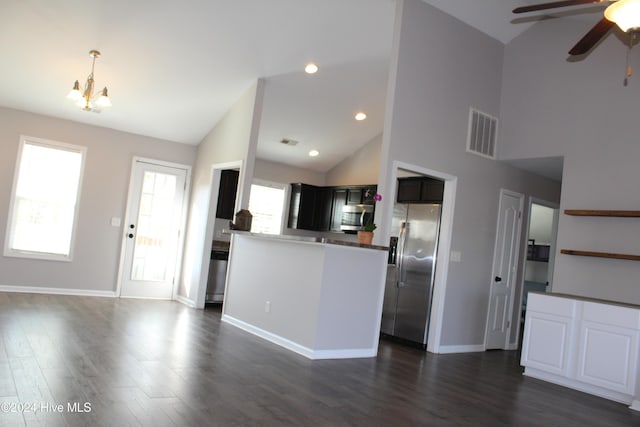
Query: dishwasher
point(217, 276)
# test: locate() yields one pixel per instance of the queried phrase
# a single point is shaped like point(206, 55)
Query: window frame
point(15, 253)
point(285, 204)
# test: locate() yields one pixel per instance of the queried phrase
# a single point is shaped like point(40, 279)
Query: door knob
point(498, 279)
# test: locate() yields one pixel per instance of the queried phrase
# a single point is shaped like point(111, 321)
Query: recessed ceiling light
point(360, 116)
point(313, 153)
point(311, 68)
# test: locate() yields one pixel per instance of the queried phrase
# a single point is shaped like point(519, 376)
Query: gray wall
point(581, 110)
point(361, 168)
point(104, 195)
point(286, 174)
point(443, 67)
point(233, 139)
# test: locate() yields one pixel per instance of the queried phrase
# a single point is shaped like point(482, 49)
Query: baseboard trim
point(297, 348)
point(57, 291)
point(635, 405)
point(447, 349)
point(186, 301)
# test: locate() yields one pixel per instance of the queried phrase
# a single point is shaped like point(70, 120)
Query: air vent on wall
point(483, 130)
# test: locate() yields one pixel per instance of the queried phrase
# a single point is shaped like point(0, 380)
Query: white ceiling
point(174, 68)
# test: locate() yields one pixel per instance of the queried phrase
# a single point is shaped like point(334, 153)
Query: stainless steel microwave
point(355, 217)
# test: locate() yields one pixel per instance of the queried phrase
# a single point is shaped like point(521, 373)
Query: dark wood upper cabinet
point(302, 206)
point(420, 190)
point(227, 193)
point(339, 200)
point(320, 208)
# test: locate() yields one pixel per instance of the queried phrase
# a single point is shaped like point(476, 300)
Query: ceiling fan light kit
point(87, 99)
point(623, 13)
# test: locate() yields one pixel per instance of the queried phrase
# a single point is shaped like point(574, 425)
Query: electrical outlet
point(115, 222)
point(267, 307)
point(456, 256)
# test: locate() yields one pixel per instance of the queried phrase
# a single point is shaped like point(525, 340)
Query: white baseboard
point(635, 405)
point(297, 348)
point(57, 291)
point(186, 301)
point(446, 349)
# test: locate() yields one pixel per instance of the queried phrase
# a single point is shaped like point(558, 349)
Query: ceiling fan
point(624, 13)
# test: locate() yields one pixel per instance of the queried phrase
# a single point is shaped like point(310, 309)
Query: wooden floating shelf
point(609, 213)
point(600, 254)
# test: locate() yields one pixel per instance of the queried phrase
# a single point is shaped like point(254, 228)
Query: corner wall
point(105, 184)
point(440, 68)
point(582, 111)
point(233, 139)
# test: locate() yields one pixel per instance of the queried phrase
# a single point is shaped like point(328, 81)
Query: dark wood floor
point(157, 363)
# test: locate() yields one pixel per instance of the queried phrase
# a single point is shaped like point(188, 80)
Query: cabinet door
point(546, 343)
point(339, 200)
point(409, 190)
point(608, 348)
point(323, 209)
point(227, 194)
point(355, 195)
point(431, 191)
point(302, 207)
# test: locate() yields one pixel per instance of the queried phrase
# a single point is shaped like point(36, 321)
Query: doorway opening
point(402, 170)
point(154, 229)
point(540, 256)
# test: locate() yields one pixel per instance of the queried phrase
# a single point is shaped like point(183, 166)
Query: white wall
point(440, 68)
point(361, 168)
point(233, 139)
point(104, 195)
point(581, 110)
point(286, 174)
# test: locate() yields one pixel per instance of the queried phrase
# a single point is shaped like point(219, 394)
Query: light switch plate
point(456, 256)
point(115, 222)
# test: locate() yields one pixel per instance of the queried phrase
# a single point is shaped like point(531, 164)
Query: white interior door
point(153, 234)
point(505, 268)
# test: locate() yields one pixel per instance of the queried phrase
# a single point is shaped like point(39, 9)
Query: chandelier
point(87, 99)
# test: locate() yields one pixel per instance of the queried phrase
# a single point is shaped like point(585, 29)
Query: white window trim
point(8, 252)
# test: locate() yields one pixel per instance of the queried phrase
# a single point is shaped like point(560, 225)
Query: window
point(266, 204)
point(44, 201)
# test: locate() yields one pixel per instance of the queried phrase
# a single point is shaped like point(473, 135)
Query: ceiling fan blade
point(592, 37)
point(555, 4)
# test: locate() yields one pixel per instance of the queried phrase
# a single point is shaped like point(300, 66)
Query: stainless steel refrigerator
point(411, 271)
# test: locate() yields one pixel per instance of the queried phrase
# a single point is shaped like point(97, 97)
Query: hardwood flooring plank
point(159, 363)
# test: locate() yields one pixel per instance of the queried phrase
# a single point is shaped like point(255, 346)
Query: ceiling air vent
point(291, 142)
point(483, 130)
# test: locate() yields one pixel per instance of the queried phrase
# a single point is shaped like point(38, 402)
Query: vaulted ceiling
point(174, 68)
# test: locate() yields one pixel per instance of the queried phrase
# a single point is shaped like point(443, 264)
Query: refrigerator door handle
point(404, 228)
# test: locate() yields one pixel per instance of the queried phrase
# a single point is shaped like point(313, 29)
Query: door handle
point(498, 279)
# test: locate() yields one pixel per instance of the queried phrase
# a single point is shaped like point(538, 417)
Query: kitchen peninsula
point(317, 297)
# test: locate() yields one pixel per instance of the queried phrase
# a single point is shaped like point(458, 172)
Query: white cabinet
point(546, 343)
point(587, 345)
point(608, 347)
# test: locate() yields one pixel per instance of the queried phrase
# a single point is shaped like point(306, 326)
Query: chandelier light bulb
point(85, 99)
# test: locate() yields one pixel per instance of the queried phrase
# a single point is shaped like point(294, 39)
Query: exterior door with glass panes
point(153, 230)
